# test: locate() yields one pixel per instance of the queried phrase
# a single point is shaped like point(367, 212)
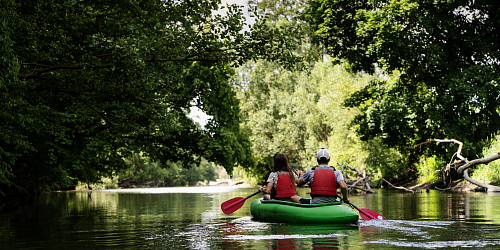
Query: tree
point(142, 171)
point(89, 83)
point(286, 13)
point(447, 59)
point(296, 113)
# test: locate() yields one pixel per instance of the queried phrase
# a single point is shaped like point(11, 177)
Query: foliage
point(384, 161)
point(297, 113)
point(249, 177)
point(428, 169)
point(447, 58)
point(277, 10)
point(85, 84)
point(489, 173)
point(286, 13)
point(104, 183)
point(8, 68)
point(143, 171)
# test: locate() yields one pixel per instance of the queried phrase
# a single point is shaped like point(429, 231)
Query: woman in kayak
point(281, 182)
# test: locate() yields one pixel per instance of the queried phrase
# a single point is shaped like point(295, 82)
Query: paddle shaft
point(243, 200)
point(366, 214)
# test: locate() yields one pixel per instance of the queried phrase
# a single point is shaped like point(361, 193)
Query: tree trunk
point(463, 164)
point(489, 188)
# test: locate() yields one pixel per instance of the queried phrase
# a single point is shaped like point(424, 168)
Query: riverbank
point(455, 186)
point(225, 182)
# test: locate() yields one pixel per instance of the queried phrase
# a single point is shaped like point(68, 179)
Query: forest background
point(108, 101)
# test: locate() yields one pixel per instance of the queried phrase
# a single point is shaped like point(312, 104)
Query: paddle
point(366, 214)
point(230, 206)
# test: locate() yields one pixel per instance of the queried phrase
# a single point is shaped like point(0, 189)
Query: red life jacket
point(324, 182)
point(283, 188)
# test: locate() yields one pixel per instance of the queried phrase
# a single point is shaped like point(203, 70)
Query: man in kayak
point(324, 180)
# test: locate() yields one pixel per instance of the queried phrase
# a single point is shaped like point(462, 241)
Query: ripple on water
point(439, 244)
point(281, 236)
point(423, 234)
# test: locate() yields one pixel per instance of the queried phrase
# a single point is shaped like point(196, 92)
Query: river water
point(190, 218)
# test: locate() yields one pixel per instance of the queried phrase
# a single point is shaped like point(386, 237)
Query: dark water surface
point(190, 218)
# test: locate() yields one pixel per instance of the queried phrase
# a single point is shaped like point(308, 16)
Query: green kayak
point(291, 212)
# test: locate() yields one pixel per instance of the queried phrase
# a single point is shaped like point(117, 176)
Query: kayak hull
point(291, 212)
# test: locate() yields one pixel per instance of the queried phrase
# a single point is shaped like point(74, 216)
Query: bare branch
point(178, 59)
point(38, 72)
point(403, 188)
point(465, 164)
point(342, 169)
point(478, 161)
point(362, 183)
point(460, 144)
point(358, 173)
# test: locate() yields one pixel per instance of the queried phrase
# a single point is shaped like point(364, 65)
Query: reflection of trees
point(194, 220)
point(327, 243)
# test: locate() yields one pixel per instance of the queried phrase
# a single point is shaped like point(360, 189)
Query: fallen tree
point(363, 183)
point(462, 164)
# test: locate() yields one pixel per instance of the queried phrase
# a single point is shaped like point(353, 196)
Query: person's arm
point(343, 187)
point(299, 181)
point(267, 189)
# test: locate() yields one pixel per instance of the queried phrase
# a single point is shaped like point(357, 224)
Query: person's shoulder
point(309, 172)
point(272, 175)
point(336, 169)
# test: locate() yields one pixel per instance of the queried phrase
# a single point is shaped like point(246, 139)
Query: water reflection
point(170, 190)
point(473, 244)
point(285, 236)
point(190, 218)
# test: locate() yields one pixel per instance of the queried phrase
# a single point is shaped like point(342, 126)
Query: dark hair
point(281, 164)
point(322, 160)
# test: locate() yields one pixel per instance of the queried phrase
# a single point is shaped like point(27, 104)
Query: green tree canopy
point(85, 84)
point(446, 54)
point(297, 112)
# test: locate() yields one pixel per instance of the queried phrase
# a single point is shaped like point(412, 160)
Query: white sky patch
point(249, 20)
point(198, 116)
point(470, 14)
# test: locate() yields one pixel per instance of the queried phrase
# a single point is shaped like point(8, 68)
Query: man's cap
point(323, 154)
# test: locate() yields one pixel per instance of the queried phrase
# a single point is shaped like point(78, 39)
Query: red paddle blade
point(230, 206)
point(367, 214)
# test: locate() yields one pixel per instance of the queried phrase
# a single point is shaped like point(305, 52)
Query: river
point(190, 218)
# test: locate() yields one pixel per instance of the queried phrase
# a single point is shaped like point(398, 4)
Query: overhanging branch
point(478, 161)
point(37, 73)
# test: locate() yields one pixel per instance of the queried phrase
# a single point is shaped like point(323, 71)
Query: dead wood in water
point(363, 183)
point(461, 165)
point(403, 188)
